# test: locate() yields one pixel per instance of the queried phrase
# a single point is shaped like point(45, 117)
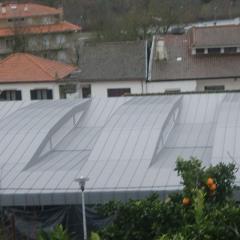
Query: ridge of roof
point(25, 67)
point(33, 10)
point(216, 26)
point(63, 26)
point(33, 59)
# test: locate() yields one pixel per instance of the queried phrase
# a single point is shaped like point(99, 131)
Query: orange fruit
point(186, 201)
point(213, 187)
point(210, 182)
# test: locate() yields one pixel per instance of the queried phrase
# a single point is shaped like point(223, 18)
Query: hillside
point(122, 19)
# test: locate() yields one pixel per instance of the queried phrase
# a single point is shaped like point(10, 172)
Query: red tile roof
point(216, 36)
point(51, 28)
point(182, 65)
point(17, 10)
point(22, 67)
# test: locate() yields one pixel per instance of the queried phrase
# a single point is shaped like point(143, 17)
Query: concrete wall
point(27, 87)
point(99, 89)
point(230, 84)
point(161, 87)
point(196, 85)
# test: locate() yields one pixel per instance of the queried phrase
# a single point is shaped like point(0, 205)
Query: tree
point(204, 209)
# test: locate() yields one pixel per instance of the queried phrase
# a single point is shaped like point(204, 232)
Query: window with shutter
point(41, 94)
point(11, 95)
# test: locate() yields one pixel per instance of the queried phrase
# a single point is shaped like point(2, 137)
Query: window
point(214, 88)
point(67, 89)
point(2, 44)
point(10, 43)
point(117, 92)
point(11, 95)
point(200, 51)
point(86, 91)
point(46, 41)
point(172, 90)
point(40, 94)
point(16, 19)
point(60, 39)
point(230, 50)
point(214, 50)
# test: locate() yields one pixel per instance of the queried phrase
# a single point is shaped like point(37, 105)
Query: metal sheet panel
point(127, 146)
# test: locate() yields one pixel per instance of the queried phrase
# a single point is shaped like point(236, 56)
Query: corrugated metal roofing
point(126, 146)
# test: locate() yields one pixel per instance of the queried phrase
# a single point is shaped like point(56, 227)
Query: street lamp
point(82, 181)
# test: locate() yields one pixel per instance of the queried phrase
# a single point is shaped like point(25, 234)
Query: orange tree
point(204, 209)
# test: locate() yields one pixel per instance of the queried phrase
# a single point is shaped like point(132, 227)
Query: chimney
point(161, 52)
point(4, 10)
point(13, 7)
point(25, 8)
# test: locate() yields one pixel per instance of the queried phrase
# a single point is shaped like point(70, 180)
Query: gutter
point(194, 79)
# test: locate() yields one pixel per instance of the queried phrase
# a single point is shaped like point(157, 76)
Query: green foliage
point(94, 236)
point(58, 233)
point(198, 204)
point(142, 219)
point(177, 236)
point(209, 214)
point(194, 175)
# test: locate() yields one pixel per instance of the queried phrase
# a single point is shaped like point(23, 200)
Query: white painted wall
point(230, 84)
point(99, 89)
point(161, 87)
point(27, 87)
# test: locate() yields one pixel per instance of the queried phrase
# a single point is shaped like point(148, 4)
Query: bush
point(58, 233)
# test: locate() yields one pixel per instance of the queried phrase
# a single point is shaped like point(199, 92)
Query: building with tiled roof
point(112, 68)
point(17, 10)
point(36, 28)
point(61, 27)
point(24, 77)
point(204, 58)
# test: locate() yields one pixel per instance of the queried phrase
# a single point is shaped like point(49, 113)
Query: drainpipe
point(146, 67)
point(150, 62)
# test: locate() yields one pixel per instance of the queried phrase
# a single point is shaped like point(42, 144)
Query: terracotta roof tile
point(51, 28)
point(26, 10)
point(23, 67)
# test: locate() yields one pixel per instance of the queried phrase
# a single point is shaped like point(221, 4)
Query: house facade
point(203, 59)
point(27, 77)
point(111, 69)
point(37, 29)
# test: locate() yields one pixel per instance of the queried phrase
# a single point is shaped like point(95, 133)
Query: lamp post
point(82, 182)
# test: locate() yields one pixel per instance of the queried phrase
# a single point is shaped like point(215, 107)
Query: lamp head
point(82, 182)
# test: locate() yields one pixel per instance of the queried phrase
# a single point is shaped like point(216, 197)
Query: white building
point(41, 29)
point(27, 77)
point(112, 69)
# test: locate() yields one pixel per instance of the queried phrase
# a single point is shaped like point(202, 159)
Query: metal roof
point(126, 146)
